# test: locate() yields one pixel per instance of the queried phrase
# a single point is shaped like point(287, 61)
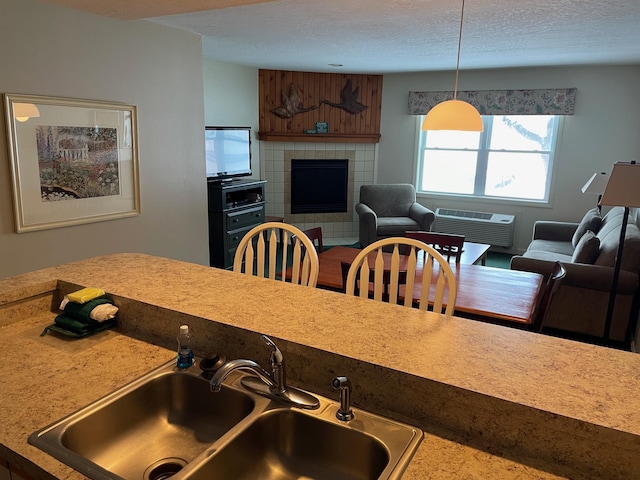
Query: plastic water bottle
point(185, 354)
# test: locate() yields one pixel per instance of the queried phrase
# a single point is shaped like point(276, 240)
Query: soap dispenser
point(185, 354)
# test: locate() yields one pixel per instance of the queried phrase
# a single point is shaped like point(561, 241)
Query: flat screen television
point(228, 152)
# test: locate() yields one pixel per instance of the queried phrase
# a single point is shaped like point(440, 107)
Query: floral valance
point(559, 101)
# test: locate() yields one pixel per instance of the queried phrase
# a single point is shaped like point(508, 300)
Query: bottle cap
point(184, 329)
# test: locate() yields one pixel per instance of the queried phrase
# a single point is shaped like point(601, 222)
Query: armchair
point(390, 210)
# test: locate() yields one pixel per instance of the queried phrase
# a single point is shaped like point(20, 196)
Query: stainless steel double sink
point(168, 424)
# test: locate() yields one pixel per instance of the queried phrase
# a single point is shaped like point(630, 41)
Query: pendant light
point(24, 111)
point(454, 114)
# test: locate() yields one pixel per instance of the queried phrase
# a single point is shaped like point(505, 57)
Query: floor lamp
point(623, 189)
point(596, 185)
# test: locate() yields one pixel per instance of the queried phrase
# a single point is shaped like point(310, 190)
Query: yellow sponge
point(85, 294)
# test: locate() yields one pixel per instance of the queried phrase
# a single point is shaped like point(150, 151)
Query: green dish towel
point(82, 329)
point(74, 325)
point(81, 311)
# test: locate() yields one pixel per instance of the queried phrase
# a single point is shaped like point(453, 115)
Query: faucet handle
point(276, 354)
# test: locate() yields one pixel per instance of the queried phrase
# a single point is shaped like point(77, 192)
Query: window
point(512, 158)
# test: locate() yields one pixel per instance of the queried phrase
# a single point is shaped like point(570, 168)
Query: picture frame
point(72, 161)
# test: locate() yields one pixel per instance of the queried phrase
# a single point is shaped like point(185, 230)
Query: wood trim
point(313, 89)
point(317, 137)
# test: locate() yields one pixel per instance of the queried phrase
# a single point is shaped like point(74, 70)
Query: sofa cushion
point(591, 221)
point(609, 236)
point(546, 255)
point(552, 246)
point(587, 250)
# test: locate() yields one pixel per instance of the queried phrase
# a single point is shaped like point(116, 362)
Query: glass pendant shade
point(453, 115)
point(25, 111)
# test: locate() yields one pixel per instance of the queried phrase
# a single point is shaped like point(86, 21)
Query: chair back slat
point(273, 251)
point(439, 296)
point(285, 249)
point(427, 273)
point(378, 286)
point(297, 274)
point(394, 284)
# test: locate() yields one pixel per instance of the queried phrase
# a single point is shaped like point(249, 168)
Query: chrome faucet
point(271, 385)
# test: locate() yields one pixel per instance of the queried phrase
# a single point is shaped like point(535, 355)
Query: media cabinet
point(234, 209)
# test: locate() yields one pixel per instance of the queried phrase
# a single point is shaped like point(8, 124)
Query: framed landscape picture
point(72, 161)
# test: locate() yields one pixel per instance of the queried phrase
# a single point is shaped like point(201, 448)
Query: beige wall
point(231, 100)
point(54, 51)
point(603, 130)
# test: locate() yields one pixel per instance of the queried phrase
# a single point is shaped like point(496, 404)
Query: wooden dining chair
point(553, 284)
point(418, 263)
point(448, 245)
point(259, 253)
point(315, 235)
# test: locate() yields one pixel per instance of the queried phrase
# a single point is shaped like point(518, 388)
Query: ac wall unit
point(491, 228)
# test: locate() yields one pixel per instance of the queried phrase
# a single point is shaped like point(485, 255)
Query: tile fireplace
point(276, 166)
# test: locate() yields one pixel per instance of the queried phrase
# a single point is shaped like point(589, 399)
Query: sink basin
point(168, 424)
point(291, 444)
point(145, 429)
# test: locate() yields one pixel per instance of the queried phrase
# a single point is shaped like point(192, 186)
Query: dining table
point(484, 293)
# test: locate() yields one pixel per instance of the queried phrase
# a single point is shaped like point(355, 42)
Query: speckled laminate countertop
point(494, 402)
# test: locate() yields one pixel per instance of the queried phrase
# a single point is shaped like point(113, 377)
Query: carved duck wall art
point(349, 100)
point(291, 104)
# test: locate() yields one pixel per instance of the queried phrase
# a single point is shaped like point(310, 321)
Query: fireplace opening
point(319, 186)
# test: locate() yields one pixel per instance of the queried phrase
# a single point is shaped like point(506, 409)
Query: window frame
point(482, 161)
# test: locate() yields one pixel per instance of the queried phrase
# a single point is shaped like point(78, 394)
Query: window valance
point(559, 101)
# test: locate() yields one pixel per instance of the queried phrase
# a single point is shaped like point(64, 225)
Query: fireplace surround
point(275, 168)
point(298, 218)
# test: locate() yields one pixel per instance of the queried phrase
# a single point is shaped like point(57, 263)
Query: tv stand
point(234, 208)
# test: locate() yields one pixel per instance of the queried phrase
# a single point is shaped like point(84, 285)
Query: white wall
point(231, 100)
point(604, 129)
point(54, 51)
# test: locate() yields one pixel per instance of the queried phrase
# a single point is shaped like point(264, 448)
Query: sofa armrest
point(422, 215)
point(580, 275)
point(368, 224)
point(550, 230)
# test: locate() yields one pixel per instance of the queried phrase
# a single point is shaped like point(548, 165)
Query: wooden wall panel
point(313, 89)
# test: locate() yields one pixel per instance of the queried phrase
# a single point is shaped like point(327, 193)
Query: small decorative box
point(322, 127)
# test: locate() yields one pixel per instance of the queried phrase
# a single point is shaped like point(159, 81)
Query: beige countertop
point(494, 402)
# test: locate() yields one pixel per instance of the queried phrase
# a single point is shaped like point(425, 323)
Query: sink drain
point(165, 468)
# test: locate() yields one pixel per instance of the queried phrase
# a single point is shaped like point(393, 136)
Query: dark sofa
point(580, 304)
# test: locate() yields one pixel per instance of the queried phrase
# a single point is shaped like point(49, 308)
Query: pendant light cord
point(455, 89)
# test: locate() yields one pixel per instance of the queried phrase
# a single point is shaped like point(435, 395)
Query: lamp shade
point(25, 111)
point(453, 115)
point(623, 187)
point(596, 184)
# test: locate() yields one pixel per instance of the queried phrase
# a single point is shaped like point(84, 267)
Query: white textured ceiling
point(382, 36)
